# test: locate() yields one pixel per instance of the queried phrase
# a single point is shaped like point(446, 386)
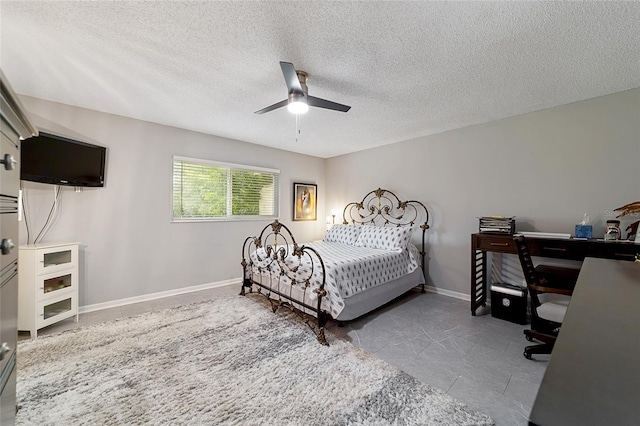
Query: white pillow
point(345, 234)
point(385, 237)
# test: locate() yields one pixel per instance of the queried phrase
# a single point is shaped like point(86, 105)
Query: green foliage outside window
point(206, 190)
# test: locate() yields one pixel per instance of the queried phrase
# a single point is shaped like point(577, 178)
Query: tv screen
point(60, 161)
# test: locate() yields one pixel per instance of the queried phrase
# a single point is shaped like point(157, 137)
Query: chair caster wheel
point(526, 355)
point(529, 338)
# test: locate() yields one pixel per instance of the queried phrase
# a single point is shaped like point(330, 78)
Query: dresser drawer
point(49, 286)
point(56, 259)
point(8, 317)
point(8, 235)
point(51, 311)
point(9, 170)
point(8, 392)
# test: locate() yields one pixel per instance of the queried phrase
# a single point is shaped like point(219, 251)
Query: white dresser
point(48, 289)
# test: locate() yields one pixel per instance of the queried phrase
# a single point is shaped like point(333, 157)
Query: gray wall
point(547, 168)
point(129, 246)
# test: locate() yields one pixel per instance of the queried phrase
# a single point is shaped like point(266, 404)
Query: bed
point(360, 264)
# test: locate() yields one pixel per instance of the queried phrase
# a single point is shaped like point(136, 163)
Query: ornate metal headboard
point(382, 207)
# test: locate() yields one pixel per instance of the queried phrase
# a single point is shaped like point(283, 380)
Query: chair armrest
point(540, 289)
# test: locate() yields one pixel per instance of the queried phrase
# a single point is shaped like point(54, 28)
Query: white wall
point(547, 168)
point(129, 246)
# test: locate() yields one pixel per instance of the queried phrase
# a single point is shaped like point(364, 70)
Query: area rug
point(229, 362)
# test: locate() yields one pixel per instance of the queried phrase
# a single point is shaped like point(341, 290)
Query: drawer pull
point(6, 245)
point(500, 244)
point(4, 349)
point(9, 162)
point(633, 256)
point(555, 249)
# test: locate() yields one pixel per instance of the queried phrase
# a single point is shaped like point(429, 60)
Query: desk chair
point(550, 289)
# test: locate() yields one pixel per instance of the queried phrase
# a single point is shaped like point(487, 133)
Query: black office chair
point(550, 289)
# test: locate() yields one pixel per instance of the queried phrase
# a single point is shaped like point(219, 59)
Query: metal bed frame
point(379, 207)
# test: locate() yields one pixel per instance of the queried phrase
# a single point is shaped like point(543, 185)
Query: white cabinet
point(48, 276)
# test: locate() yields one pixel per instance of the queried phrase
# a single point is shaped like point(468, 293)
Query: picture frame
point(305, 201)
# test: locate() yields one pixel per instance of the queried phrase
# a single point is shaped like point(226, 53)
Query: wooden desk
point(593, 376)
point(545, 247)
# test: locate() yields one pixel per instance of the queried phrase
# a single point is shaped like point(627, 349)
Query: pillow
point(345, 234)
point(385, 237)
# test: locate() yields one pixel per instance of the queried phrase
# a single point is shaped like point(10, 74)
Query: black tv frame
point(58, 177)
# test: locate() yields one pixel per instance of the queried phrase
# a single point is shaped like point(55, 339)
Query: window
point(209, 190)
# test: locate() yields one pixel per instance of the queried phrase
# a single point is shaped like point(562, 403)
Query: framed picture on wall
point(305, 201)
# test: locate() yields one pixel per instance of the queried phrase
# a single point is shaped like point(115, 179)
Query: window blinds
point(207, 190)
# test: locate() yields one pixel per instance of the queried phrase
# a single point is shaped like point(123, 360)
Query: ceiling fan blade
point(272, 107)
point(323, 103)
point(290, 77)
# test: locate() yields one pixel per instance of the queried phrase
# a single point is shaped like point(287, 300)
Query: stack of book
point(498, 224)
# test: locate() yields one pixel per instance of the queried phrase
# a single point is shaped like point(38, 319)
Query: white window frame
point(228, 218)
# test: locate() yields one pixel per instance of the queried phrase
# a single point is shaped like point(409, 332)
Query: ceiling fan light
point(298, 106)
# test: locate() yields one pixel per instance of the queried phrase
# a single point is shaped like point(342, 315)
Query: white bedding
point(350, 270)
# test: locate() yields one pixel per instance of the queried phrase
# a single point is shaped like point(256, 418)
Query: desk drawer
point(563, 249)
point(496, 243)
point(619, 250)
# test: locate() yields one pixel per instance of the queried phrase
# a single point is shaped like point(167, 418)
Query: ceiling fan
point(298, 100)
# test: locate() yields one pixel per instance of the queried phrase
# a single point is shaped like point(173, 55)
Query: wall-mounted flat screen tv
point(61, 161)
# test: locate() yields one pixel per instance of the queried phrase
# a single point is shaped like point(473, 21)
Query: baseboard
point(233, 281)
point(159, 295)
point(457, 295)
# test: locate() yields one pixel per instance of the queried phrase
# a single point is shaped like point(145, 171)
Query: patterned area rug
point(229, 361)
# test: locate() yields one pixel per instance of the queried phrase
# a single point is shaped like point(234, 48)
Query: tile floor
point(477, 360)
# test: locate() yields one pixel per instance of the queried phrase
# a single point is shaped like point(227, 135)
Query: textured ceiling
point(408, 69)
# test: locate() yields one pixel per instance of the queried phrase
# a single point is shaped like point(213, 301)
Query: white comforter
point(349, 270)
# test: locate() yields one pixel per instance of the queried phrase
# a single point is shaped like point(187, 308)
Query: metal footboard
point(281, 270)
